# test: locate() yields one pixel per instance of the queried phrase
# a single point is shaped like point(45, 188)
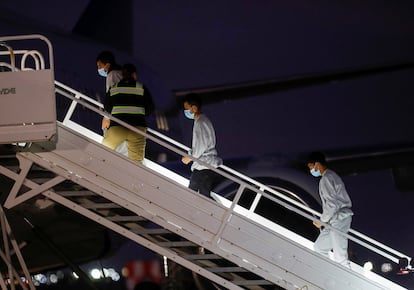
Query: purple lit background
point(183, 44)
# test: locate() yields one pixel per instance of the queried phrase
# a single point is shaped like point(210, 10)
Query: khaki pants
point(135, 141)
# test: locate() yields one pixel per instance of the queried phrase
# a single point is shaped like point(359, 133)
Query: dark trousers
point(204, 181)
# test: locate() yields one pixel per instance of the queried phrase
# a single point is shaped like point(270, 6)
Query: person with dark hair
point(203, 148)
point(336, 211)
point(111, 71)
point(108, 68)
point(131, 102)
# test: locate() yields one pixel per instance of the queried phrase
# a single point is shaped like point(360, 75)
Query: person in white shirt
point(203, 148)
point(336, 211)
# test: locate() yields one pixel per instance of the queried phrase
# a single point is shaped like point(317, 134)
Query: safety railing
point(25, 55)
point(27, 75)
point(244, 182)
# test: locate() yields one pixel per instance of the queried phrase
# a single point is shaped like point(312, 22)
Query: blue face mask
point(102, 72)
point(188, 114)
point(315, 173)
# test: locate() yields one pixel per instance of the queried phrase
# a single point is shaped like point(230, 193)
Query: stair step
point(126, 218)
point(177, 244)
point(76, 193)
point(202, 257)
point(100, 205)
point(226, 269)
point(150, 231)
point(251, 282)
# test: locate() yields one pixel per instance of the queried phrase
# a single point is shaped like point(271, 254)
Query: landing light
point(114, 275)
point(368, 266)
point(386, 267)
point(96, 274)
point(53, 278)
point(41, 278)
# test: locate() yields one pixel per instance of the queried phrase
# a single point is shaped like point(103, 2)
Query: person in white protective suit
point(336, 211)
point(202, 178)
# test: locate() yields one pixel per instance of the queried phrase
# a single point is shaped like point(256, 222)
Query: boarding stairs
point(229, 244)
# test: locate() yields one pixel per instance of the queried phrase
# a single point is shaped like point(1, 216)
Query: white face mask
point(102, 72)
point(315, 172)
point(188, 114)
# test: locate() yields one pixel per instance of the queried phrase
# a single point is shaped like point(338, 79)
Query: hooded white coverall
point(336, 211)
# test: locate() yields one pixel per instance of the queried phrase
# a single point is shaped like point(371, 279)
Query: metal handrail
point(229, 173)
point(11, 53)
point(4, 39)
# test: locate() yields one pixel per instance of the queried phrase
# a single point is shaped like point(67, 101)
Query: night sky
point(181, 45)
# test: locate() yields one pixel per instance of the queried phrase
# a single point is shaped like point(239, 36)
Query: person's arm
point(186, 159)
point(108, 109)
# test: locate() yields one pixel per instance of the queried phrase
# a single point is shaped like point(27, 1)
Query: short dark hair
point(193, 99)
point(106, 56)
point(317, 157)
point(128, 69)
